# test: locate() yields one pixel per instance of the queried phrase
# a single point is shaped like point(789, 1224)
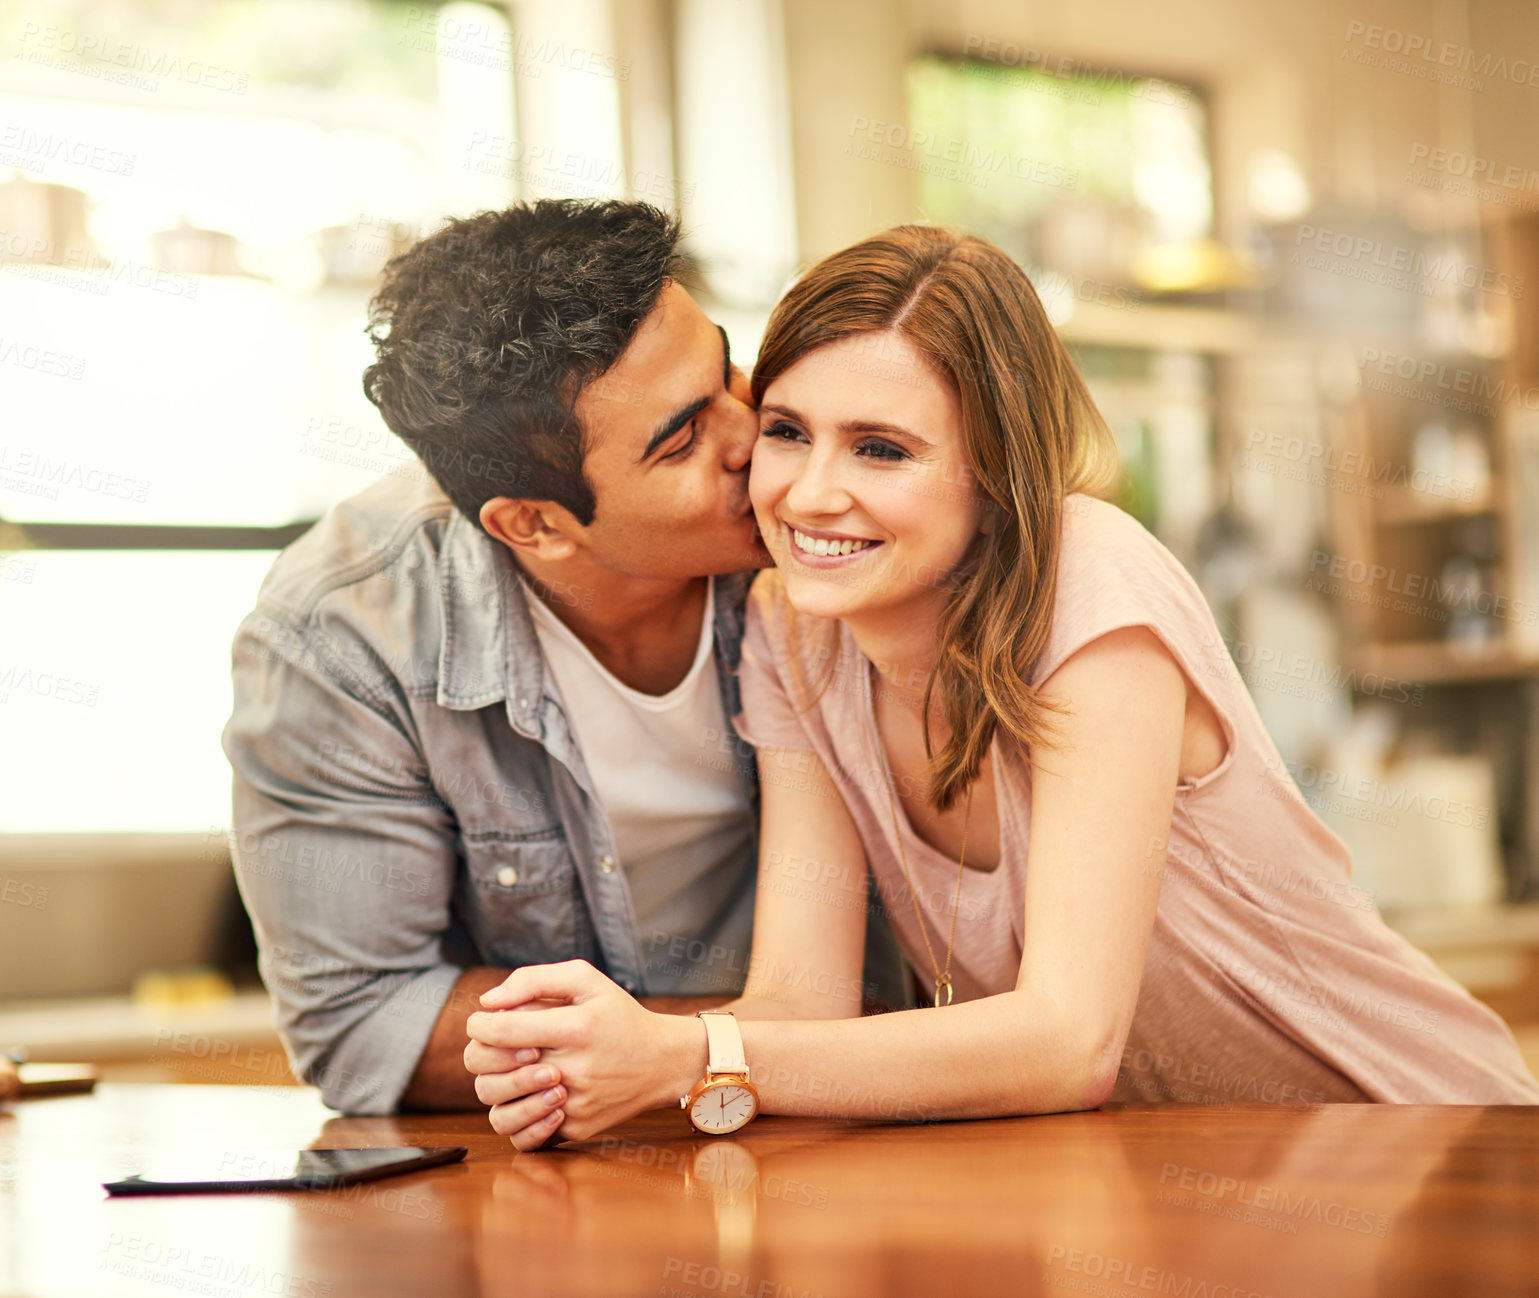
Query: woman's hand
point(524, 1093)
point(613, 1057)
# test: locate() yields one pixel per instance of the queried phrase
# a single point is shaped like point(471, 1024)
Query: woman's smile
point(819, 549)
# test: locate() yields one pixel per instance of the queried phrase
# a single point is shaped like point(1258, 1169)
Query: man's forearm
point(442, 1081)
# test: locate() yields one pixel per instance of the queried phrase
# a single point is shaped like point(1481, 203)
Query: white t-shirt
point(681, 825)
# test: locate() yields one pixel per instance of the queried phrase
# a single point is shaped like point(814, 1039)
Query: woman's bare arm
point(1101, 809)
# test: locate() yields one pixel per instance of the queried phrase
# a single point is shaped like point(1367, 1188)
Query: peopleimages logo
point(1471, 166)
point(1423, 56)
point(1299, 1205)
point(1419, 593)
point(1457, 382)
point(1090, 77)
point(106, 58)
point(956, 158)
point(23, 145)
point(1395, 265)
point(1324, 781)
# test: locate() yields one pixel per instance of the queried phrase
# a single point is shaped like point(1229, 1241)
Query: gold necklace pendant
point(942, 977)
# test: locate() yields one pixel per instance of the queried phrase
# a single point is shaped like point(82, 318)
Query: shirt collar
point(490, 652)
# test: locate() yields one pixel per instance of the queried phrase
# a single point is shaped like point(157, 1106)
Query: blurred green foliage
point(366, 47)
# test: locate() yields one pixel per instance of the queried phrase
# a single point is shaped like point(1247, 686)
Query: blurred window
point(1099, 183)
point(1076, 171)
point(195, 205)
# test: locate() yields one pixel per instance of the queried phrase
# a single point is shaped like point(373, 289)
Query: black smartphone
point(279, 1169)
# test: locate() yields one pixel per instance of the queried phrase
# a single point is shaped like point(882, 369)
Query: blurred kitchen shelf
point(1420, 429)
point(1423, 424)
point(1450, 927)
point(1436, 662)
point(1163, 328)
point(1404, 508)
point(1492, 951)
point(114, 1027)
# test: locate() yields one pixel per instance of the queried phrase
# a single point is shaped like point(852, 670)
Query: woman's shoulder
point(1098, 540)
point(806, 652)
point(1113, 573)
point(766, 610)
point(1089, 518)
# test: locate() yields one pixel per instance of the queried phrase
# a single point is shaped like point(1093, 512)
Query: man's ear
point(538, 529)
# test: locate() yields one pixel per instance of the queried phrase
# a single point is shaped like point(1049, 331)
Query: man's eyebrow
point(671, 425)
point(850, 426)
point(679, 418)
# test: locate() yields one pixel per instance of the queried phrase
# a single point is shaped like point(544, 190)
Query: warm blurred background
point(1294, 247)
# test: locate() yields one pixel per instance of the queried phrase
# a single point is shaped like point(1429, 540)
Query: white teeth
point(821, 545)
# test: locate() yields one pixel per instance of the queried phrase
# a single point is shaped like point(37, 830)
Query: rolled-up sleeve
point(346, 860)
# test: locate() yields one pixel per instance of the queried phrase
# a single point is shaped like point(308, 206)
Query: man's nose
point(737, 449)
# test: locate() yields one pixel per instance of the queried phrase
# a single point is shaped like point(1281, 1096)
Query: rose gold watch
point(724, 1100)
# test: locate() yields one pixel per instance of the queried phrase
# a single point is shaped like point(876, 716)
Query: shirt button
point(607, 864)
point(507, 876)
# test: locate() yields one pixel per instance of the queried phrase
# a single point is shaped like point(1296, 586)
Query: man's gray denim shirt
point(409, 798)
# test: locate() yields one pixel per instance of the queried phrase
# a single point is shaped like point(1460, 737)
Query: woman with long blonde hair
point(974, 680)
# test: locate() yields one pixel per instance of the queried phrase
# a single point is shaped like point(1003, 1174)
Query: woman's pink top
point(1269, 975)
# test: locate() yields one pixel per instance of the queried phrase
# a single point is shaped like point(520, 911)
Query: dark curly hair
point(487, 331)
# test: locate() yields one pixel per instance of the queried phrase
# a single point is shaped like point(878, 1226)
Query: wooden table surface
point(1203, 1202)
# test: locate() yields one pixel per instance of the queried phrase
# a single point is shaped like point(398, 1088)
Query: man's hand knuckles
point(572, 1035)
point(481, 1058)
point(490, 1035)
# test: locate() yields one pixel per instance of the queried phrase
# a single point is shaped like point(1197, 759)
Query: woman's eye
point(881, 451)
point(780, 430)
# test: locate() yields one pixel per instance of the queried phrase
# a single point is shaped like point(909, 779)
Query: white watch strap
point(723, 1042)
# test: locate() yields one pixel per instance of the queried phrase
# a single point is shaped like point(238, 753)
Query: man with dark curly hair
point(482, 713)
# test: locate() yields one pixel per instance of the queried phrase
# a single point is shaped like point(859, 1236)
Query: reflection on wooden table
point(1203, 1202)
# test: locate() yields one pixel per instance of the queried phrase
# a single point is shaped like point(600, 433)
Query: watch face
point(722, 1108)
